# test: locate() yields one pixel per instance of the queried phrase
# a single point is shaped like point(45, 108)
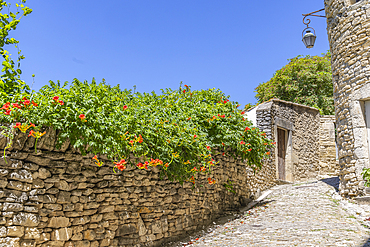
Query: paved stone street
point(306, 214)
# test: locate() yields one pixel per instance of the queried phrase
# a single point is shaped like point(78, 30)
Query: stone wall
point(328, 163)
point(348, 27)
point(61, 198)
point(307, 138)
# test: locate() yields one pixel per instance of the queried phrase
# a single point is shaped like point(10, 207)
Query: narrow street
point(302, 214)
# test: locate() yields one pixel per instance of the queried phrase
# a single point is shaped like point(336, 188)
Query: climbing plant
point(10, 81)
point(179, 131)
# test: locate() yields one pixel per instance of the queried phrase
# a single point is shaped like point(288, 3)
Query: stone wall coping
point(264, 105)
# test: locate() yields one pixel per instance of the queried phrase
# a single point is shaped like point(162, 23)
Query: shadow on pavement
point(367, 244)
point(227, 217)
point(334, 181)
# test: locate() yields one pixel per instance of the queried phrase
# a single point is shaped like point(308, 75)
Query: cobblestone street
point(306, 214)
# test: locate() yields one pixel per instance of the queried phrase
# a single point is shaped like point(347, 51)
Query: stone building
point(305, 140)
point(348, 27)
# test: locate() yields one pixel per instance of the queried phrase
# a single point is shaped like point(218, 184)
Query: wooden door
point(281, 153)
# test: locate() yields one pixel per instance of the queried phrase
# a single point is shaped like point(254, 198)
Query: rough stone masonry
point(348, 27)
point(61, 198)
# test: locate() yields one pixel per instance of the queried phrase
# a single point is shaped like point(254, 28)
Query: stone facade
point(61, 198)
point(309, 146)
point(348, 27)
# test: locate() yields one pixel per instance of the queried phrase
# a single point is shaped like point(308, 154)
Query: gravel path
point(307, 214)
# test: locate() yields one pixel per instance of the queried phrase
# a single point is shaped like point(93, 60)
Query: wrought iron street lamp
point(309, 38)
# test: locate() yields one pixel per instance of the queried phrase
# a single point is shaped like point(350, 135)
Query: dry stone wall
point(348, 27)
point(61, 198)
point(328, 163)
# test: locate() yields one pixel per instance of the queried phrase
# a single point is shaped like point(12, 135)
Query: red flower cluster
point(98, 163)
point(211, 181)
point(222, 116)
point(125, 107)
point(246, 129)
point(121, 165)
point(55, 98)
point(143, 166)
point(242, 142)
point(8, 107)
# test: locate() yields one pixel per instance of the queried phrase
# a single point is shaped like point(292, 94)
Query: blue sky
point(229, 44)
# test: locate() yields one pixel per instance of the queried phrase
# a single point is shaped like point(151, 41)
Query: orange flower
point(31, 133)
point(242, 142)
point(17, 125)
point(208, 147)
point(267, 153)
point(82, 116)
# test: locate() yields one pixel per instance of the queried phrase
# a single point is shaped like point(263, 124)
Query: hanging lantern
point(309, 38)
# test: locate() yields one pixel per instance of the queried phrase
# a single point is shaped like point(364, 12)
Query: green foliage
point(304, 80)
point(185, 129)
point(366, 176)
point(10, 81)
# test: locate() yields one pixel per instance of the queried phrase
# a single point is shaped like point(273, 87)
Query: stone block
point(126, 230)
point(89, 235)
point(62, 234)
point(28, 243)
point(15, 231)
point(3, 232)
point(84, 243)
point(64, 197)
point(53, 244)
point(57, 222)
point(32, 233)
point(26, 219)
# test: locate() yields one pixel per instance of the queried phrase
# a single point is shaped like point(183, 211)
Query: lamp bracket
point(308, 21)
